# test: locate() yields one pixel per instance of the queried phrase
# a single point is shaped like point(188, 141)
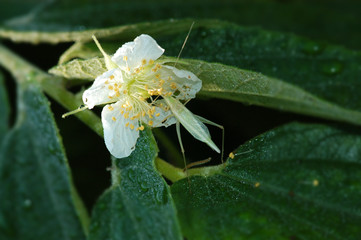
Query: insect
point(192, 123)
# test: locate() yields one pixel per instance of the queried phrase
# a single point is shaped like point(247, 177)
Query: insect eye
point(176, 93)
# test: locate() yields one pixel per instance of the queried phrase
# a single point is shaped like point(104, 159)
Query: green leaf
point(326, 71)
point(222, 81)
point(296, 182)
point(302, 76)
point(81, 69)
point(37, 198)
point(139, 204)
point(4, 109)
point(341, 24)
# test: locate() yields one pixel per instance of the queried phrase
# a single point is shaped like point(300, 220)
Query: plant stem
point(176, 157)
point(24, 72)
point(175, 174)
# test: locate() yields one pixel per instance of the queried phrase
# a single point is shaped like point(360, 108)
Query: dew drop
point(144, 186)
point(131, 175)
point(161, 196)
point(332, 68)
point(158, 197)
point(312, 48)
point(27, 203)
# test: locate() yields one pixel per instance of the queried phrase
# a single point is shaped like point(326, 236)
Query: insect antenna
point(178, 124)
point(184, 43)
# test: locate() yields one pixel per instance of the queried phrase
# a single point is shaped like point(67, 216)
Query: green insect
point(193, 124)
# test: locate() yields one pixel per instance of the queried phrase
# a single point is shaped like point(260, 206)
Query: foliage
point(295, 180)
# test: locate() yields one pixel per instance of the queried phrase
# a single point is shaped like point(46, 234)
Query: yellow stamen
point(110, 107)
point(114, 119)
point(111, 77)
point(125, 58)
point(257, 184)
point(141, 128)
point(315, 183)
point(157, 115)
point(127, 124)
point(231, 155)
point(131, 126)
point(173, 85)
point(151, 61)
point(144, 61)
point(150, 123)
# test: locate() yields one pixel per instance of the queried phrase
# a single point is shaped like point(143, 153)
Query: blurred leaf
point(295, 182)
point(329, 72)
point(340, 25)
point(160, 28)
point(139, 204)
point(14, 8)
point(38, 200)
point(4, 109)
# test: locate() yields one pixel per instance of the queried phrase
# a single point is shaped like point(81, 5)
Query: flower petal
point(131, 54)
point(120, 137)
point(182, 83)
point(101, 92)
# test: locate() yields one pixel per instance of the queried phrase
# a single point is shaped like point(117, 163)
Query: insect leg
point(204, 120)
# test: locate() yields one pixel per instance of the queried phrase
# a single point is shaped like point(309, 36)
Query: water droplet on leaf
point(144, 186)
point(27, 203)
point(312, 48)
point(131, 175)
point(332, 68)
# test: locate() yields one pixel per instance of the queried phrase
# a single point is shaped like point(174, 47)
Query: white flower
point(135, 89)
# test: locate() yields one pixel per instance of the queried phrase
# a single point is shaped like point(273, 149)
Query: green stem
point(175, 174)
point(172, 150)
point(53, 86)
point(169, 171)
